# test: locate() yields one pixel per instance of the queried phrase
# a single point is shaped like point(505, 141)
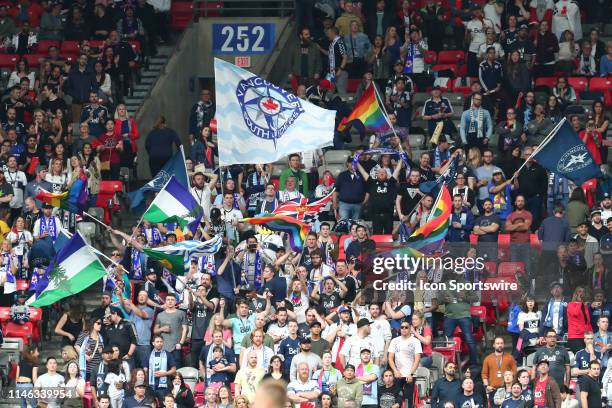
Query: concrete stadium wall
point(193, 59)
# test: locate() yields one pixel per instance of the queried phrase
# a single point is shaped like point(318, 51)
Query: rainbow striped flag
point(429, 238)
point(73, 200)
point(296, 230)
point(369, 112)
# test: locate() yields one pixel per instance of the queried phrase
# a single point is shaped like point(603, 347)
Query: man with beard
point(330, 298)
point(495, 365)
point(524, 46)
point(390, 391)
point(202, 304)
point(486, 227)
point(408, 195)
point(606, 207)
point(252, 259)
point(201, 114)
point(141, 316)
point(305, 60)
point(446, 388)
point(597, 229)
point(202, 191)
point(305, 356)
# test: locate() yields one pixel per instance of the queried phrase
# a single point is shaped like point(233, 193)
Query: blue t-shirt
point(583, 358)
point(288, 348)
point(511, 403)
point(241, 327)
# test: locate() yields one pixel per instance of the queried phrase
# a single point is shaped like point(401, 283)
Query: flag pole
point(546, 140)
point(185, 164)
point(95, 219)
point(431, 213)
point(384, 112)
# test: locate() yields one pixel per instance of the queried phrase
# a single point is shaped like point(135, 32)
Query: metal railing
point(242, 8)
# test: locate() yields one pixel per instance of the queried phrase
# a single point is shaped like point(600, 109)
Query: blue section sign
point(248, 38)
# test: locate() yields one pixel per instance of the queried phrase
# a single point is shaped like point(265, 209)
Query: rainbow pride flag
point(73, 200)
point(369, 112)
point(296, 230)
point(429, 238)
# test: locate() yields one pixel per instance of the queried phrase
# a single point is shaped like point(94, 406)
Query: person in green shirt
point(457, 313)
point(295, 170)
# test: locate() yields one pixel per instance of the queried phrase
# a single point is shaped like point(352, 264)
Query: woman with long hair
point(224, 397)
point(600, 274)
point(139, 375)
point(517, 78)
point(109, 147)
point(553, 109)
point(592, 139)
point(56, 176)
point(241, 402)
point(529, 325)
point(183, 397)
point(577, 209)
point(8, 262)
point(216, 323)
point(602, 122)
point(21, 240)
point(103, 81)
point(91, 164)
point(69, 354)
point(203, 149)
point(568, 51)
point(22, 70)
point(423, 333)
point(158, 145)
point(74, 382)
point(89, 345)
point(276, 370)
point(564, 92)
point(474, 158)
point(578, 319)
point(392, 46)
point(505, 391)
point(74, 169)
point(126, 128)
point(70, 325)
point(27, 373)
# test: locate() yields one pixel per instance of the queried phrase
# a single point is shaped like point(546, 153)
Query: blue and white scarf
point(257, 266)
point(153, 236)
point(137, 262)
point(83, 350)
point(48, 225)
point(158, 364)
point(409, 62)
point(548, 322)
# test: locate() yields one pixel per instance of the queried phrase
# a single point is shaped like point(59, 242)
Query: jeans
point(178, 357)
point(465, 323)
point(409, 393)
point(141, 357)
point(349, 211)
point(426, 361)
point(26, 402)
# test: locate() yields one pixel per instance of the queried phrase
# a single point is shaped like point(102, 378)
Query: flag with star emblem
point(303, 209)
point(564, 153)
point(261, 122)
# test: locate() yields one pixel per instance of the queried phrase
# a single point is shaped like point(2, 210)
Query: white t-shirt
point(204, 198)
point(19, 241)
point(531, 321)
point(50, 381)
point(351, 350)
point(490, 13)
point(477, 28)
point(18, 181)
point(405, 351)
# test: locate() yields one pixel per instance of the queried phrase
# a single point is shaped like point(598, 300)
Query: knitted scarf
point(158, 364)
point(476, 122)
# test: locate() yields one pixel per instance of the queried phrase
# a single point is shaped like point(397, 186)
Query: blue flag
point(565, 154)
point(175, 166)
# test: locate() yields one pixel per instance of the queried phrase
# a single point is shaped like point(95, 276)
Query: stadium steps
point(147, 78)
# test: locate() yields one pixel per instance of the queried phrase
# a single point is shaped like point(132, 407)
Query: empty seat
point(8, 61)
point(430, 57)
point(510, 269)
point(180, 15)
point(70, 48)
point(578, 83)
point(451, 57)
point(43, 45)
point(337, 156)
point(352, 85)
point(549, 82)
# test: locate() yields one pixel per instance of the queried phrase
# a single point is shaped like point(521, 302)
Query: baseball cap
point(107, 293)
point(151, 271)
point(596, 210)
point(140, 383)
point(343, 309)
point(352, 367)
point(606, 195)
point(523, 27)
point(107, 349)
point(170, 233)
point(305, 340)
point(555, 284)
point(363, 322)
point(543, 361)
point(365, 350)
point(605, 244)
point(316, 323)
point(399, 61)
point(47, 205)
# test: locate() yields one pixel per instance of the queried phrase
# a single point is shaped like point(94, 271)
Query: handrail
point(246, 8)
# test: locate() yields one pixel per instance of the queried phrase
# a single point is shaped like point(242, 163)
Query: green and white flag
point(74, 269)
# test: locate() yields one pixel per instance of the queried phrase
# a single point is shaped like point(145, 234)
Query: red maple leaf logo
point(270, 104)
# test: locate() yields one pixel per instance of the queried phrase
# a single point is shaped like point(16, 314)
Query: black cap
point(107, 293)
point(315, 323)
point(352, 367)
point(170, 233)
point(365, 350)
point(305, 340)
point(47, 205)
point(596, 210)
point(363, 322)
point(399, 61)
point(107, 349)
point(151, 271)
point(115, 310)
point(523, 27)
point(543, 361)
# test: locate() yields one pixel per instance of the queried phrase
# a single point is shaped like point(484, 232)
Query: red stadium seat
point(8, 61)
point(70, 48)
point(464, 89)
point(473, 239)
point(549, 82)
point(382, 238)
point(180, 15)
point(22, 331)
point(602, 85)
point(510, 269)
point(491, 268)
point(451, 57)
point(503, 247)
point(444, 67)
point(34, 59)
point(578, 83)
point(430, 57)
point(341, 254)
point(22, 284)
point(43, 45)
point(35, 318)
point(108, 189)
point(5, 315)
point(536, 245)
point(198, 393)
point(352, 85)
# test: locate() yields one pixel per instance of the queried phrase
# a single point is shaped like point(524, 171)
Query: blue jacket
point(466, 218)
point(487, 124)
point(547, 322)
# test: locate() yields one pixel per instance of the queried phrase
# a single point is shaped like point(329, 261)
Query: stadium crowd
point(259, 316)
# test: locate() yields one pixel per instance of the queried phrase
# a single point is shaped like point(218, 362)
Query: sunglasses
point(404, 327)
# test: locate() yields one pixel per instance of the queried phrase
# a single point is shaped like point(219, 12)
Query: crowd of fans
point(257, 314)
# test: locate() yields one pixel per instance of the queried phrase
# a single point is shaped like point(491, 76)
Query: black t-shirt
point(410, 196)
point(330, 302)
point(427, 175)
point(387, 397)
point(525, 48)
point(382, 195)
point(53, 106)
point(201, 315)
point(588, 384)
point(5, 190)
point(485, 221)
point(351, 287)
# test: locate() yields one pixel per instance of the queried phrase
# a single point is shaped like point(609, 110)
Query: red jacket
point(578, 320)
point(110, 152)
point(133, 133)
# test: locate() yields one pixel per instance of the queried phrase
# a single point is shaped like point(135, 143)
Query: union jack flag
point(303, 209)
